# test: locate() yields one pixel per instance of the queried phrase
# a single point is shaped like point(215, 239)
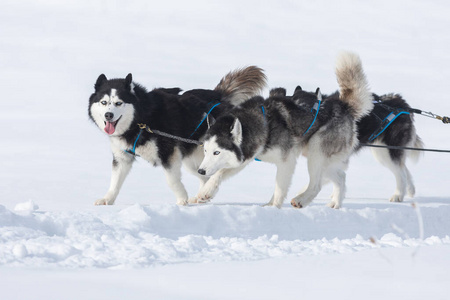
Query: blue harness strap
point(386, 122)
point(315, 109)
point(133, 151)
point(204, 118)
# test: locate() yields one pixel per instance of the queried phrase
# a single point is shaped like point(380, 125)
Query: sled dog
point(117, 106)
point(280, 128)
point(401, 132)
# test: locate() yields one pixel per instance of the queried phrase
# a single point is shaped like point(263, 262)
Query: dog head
point(222, 147)
point(112, 105)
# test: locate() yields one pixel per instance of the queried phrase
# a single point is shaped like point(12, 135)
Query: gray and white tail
point(353, 86)
point(242, 84)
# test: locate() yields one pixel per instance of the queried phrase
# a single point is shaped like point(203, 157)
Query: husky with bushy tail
point(118, 106)
point(280, 128)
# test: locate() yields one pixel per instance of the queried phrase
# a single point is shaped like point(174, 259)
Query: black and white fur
point(118, 105)
point(401, 132)
point(278, 136)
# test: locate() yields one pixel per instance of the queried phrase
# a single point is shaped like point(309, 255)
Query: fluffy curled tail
point(242, 84)
point(353, 86)
point(417, 143)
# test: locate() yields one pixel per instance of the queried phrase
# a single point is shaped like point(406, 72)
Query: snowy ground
point(54, 244)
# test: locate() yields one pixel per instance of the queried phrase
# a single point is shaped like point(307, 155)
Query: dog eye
point(103, 102)
point(119, 103)
point(216, 152)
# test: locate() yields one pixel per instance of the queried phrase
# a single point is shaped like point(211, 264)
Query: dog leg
point(211, 187)
point(397, 168)
point(411, 189)
point(316, 162)
point(285, 170)
point(121, 166)
point(337, 176)
point(195, 199)
point(173, 177)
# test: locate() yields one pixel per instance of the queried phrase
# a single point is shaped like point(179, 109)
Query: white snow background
point(55, 244)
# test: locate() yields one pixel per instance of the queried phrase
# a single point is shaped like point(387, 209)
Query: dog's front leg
point(210, 188)
point(285, 171)
point(121, 166)
point(173, 176)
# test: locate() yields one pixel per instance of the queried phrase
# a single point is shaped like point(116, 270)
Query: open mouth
point(110, 127)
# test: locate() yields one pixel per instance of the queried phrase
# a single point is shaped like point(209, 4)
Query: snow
point(55, 244)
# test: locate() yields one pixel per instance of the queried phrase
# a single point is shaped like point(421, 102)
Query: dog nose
point(109, 116)
point(201, 171)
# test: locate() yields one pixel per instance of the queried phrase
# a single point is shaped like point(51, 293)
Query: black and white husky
point(280, 128)
point(389, 123)
point(401, 132)
point(118, 105)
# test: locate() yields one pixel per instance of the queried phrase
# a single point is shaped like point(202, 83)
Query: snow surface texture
point(54, 244)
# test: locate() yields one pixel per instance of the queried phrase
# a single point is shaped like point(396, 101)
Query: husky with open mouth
point(280, 128)
point(117, 106)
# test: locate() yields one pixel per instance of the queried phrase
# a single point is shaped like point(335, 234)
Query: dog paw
point(296, 204)
point(193, 200)
point(334, 204)
point(396, 198)
point(104, 202)
point(197, 200)
point(182, 202)
point(277, 205)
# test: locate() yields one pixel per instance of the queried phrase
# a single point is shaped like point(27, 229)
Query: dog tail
point(415, 155)
point(242, 84)
point(353, 86)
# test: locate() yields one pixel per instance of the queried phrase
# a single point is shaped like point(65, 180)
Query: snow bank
point(142, 236)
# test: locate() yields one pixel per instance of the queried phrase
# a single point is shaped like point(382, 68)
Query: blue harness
point(133, 150)
point(393, 114)
point(315, 109)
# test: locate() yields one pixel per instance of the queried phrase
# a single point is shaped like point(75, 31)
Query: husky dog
point(278, 129)
point(400, 132)
point(118, 105)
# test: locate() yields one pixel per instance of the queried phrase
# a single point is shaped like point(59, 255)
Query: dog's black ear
point(128, 81)
point(319, 94)
point(100, 80)
point(277, 92)
point(298, 89)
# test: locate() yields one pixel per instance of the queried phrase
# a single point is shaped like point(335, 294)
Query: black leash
point(404, 148)
point(168, 135)
point(445, 120)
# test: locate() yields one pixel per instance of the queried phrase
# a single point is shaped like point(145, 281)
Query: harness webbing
point(386, 122)
point(315, 109)
point(204, 118)
point(168, 135)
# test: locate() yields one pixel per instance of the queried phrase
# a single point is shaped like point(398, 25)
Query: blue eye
point(216, 152)
point(104, 102)
point(119, 103)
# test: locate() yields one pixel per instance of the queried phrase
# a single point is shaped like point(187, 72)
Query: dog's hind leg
point(285, 170)
point(121, 166)
point(410, 188)
point(173, 177)
point(399, 170)
point(337, 176)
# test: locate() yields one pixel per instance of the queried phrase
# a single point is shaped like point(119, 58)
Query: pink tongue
point(109, 128)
